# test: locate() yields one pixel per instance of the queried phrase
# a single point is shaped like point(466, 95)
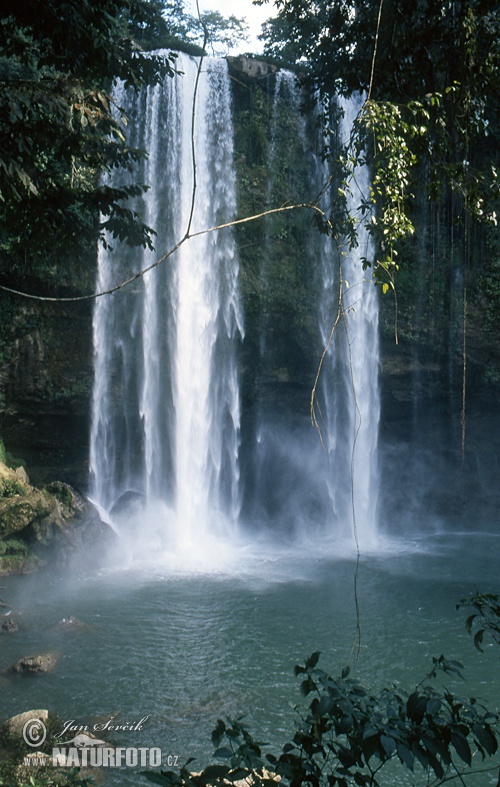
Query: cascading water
point(349, 420)
point(166, 410)
point(287, 128)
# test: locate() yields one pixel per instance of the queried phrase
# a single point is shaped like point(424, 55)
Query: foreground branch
point(169, 253)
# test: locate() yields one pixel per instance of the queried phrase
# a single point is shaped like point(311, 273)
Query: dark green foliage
point(485, 619)
point(60, 132)
point(10, 488)
point(14, 546)
point(430, 71)
point(423, 47)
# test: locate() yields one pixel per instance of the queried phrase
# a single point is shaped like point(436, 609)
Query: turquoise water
point(185, 647)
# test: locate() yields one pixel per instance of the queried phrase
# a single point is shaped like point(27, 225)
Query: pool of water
point(185, 647)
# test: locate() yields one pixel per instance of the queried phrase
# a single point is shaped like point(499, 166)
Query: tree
point(60, 129)
point(221, 32)
point(211, 29)
point(429, 72)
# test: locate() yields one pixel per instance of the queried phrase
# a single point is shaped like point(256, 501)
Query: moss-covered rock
point(20, 564)
point(37, 508)
point(32, 520)
point(11, 482)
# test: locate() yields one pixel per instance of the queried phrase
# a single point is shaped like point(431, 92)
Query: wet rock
point(128, 504)
point(71, 623)
point(19, 564)
point(70, 502)
point(9, 625)
point(31, 665)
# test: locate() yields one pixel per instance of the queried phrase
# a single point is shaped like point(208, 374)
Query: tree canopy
point(429, 72)
point(210, 28)
point(59, 128)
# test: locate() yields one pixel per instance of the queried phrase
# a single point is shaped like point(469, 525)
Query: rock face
point(35, 508)
point(46, 380)
point(250, 67)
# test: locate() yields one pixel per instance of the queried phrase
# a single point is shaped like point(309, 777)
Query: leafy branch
point(347, 735)
point(485, 619)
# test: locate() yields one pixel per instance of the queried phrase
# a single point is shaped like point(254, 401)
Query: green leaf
point(416, 707)
point(307, 686)
point(157, 778)
point(324, 706)
point(218, 732)
point(461, 746)
point(215, 771)
point(405, 755)
point(433, 707)
point(313, 659)
point(388, 744)
point(486, 738)
point(224, 751)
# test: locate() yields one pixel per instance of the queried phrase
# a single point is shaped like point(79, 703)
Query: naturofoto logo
point(85, 750)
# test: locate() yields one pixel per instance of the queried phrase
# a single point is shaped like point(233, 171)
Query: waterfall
point(349, 384)
point(165, 436)
point(295, 487)
point(287, 130)
point(166, 410)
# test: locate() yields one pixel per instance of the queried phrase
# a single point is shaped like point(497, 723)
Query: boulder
point(38, 525)
point(22, 475)
point(129, 504)
point(19, 564)
point(35, 507)
point(11, 485)
point(71, 624)
point(9, 625)
point(15, 724)
point(31, 665)
point(7, 475)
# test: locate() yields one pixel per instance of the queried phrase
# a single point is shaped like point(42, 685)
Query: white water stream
point(165, 439)
point(166, 410)
point(350, 414)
